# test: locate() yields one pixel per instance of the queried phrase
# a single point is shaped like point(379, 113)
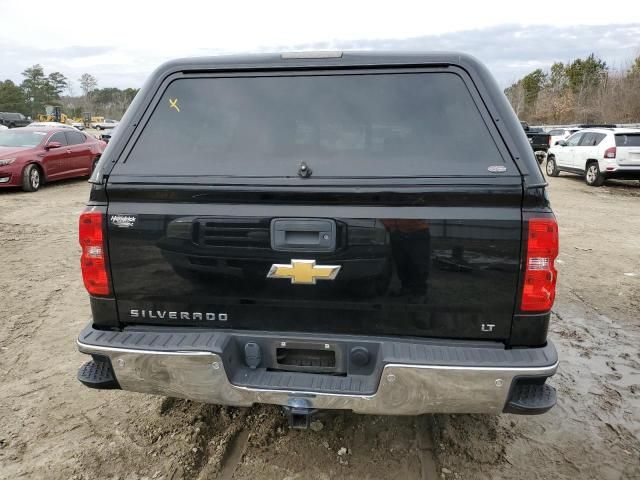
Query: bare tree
point(581, 91)
point(88, 83)
point(516, 95)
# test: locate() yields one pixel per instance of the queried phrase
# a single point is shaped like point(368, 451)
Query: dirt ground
point(52, 427)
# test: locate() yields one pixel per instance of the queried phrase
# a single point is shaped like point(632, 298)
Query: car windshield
point(14, 138)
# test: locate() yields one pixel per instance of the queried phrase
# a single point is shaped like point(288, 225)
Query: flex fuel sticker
point(123, 221)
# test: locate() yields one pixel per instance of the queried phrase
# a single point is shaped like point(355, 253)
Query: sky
point(121, 42)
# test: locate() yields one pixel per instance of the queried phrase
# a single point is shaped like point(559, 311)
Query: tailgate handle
point(303, 235)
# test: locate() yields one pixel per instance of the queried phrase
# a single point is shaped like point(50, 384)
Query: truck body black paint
point(417, 186)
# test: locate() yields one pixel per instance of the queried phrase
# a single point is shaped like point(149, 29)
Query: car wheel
point(12, 125)
point(592, 176)
point(98, 127)
point(31, 179)
point(552, 168)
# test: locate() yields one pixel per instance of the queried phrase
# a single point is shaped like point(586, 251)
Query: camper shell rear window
point(346, 125)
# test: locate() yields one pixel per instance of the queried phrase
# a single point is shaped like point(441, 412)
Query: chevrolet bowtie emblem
point(304, 272)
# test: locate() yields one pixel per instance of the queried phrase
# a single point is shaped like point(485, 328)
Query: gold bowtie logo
point(304, 272)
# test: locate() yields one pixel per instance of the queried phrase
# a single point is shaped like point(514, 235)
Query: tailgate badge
point(304, 272)
point(123, 221)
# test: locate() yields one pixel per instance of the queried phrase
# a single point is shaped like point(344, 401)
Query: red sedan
point(30, 157)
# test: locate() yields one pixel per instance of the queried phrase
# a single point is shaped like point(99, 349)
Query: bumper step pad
point(531, 399)
point(98, 373)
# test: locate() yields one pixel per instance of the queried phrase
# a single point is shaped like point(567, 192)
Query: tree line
point(585, 90)
point(39, 89)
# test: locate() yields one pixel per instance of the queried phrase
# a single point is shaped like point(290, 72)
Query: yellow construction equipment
point(53, 114)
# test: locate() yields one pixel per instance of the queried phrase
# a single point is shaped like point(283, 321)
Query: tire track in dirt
point(234, 455)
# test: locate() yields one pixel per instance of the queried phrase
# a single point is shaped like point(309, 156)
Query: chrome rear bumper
point(402, 389)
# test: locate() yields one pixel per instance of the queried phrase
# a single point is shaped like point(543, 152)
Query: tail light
point(539, 288)
point(610, 152)
point(92, 261)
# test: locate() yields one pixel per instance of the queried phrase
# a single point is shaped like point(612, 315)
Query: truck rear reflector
point(92, 261)
point(540, 275)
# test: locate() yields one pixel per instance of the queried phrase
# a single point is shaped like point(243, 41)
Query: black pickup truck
point(539, 140)
point(13, 120)
point(306, 230)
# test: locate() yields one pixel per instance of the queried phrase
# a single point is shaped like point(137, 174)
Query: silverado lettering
point(161, 314)
point(370, 223)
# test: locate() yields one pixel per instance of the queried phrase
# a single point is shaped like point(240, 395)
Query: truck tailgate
point(439, 261)
point(359, 201)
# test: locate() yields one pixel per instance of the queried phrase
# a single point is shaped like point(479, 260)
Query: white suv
point(105, 125)
point(597, 154)
point(558, 134)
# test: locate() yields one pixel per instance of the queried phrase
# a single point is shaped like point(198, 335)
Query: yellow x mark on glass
point(174, 104)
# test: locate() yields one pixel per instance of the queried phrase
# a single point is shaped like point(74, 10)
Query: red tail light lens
point(610, 152)
point(539, 290)
point(92, 261)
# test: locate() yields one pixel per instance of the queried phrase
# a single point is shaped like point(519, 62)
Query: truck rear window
point(628, 140)
point(374, 125)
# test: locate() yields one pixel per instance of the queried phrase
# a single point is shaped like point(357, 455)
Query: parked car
point(597, 154)
point(13, 120)
point(51, 125)
point(558, 134)
point(105, 125)
point(367, 240)
point(30, 157)
point(106, 135)
point(538, 139)
point(596, 125)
